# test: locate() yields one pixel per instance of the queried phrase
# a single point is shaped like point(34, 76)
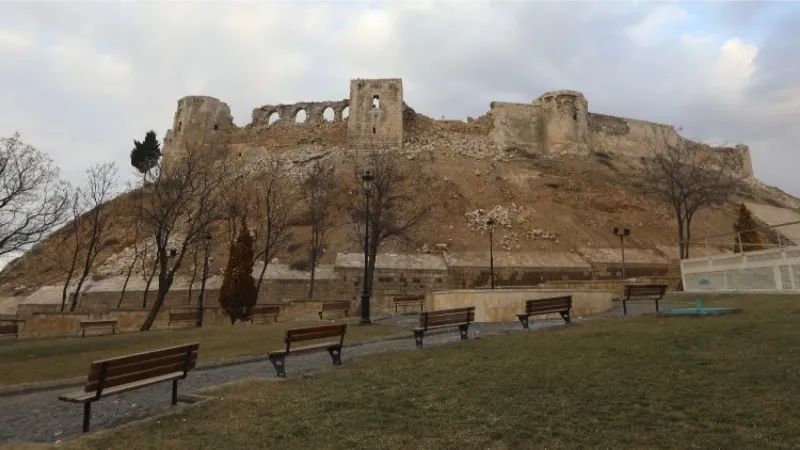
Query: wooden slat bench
point(539, 306)
point(634, 292)
point(278, 357)
point(409, 300)
point(126, 373)
point(444, 318)
point(263, 311)
point(10, 329)
point(343, 305)
point(182, 317)
point(98, 324)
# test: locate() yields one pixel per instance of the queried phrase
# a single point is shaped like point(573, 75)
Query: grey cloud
point(455, 58)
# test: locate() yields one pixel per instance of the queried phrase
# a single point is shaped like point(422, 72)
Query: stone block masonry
point(376, 117)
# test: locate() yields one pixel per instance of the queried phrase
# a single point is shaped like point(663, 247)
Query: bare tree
point(101, 182)
point(133, 220)
point(318, 192)
point(397, 208)
point(688, 178)
point(183, 200)
point(32, 199)
point(70, 243)
point(236, 201)
point(274, 209)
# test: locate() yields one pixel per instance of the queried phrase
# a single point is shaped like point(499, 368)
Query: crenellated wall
point(375, 116)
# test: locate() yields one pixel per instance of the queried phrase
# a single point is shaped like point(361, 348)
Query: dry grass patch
point(713, 382)
point(42, 360)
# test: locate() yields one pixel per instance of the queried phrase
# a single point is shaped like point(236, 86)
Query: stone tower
point(565, 122)
point(199, 122)
point(376, 114)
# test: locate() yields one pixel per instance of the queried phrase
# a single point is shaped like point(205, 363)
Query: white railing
point(775, 269)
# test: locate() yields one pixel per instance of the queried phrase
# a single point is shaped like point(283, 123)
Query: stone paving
point(41, 417)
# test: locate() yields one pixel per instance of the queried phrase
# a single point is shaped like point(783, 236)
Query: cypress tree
point(144, 155)
point(744, 225)
point(238, 293)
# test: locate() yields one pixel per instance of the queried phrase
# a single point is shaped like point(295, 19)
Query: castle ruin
point(375, 116)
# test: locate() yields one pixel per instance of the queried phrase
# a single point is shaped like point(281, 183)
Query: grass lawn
point(51, 359)
point(716, 382)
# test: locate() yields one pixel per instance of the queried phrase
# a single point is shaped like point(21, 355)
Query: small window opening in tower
point(575, 116)
point(216, 127)
point(179, 125)
point(373, 130)
point(376, 102)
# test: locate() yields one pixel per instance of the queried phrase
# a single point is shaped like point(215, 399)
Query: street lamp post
point(207, 247)
point(623, 233)
point(366, 178)
point(490, 227)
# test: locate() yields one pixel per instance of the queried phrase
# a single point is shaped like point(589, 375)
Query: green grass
point(729, 382)
point(51, 359)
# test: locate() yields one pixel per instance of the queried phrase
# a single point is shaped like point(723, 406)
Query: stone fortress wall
point(375, 116)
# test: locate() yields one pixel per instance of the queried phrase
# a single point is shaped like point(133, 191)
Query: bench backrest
point(410, 299)
point(344, 304)
point(545, 305)
point(9, 329)
point(312, 333)
point(182, 316)
point(645, 290)
point(447, 317)
point(98, 322)
point(265, 310)
point(141, 366)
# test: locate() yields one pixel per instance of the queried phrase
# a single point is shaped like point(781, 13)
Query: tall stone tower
point(376, 114)
point(199, 122)
point(565, 121)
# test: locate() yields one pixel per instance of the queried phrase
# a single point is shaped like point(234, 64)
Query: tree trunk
point(313, 275)
point(164, 283)
point(147, 285)
point(66, 283)
point(87, 267)
point(194, 274)
point(125, 284)
point(261, 275)
point(688, 237)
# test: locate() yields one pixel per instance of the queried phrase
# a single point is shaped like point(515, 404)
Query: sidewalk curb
point(31, 388)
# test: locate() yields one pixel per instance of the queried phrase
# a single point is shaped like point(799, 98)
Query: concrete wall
point(493, 305)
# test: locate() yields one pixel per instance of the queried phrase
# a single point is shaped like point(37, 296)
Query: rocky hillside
point(541, 203)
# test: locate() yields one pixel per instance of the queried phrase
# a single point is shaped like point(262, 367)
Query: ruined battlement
point(375, 116)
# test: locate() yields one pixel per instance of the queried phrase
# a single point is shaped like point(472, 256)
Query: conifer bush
point(238, 293)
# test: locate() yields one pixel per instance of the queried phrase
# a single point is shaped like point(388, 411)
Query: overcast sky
point(82, 80)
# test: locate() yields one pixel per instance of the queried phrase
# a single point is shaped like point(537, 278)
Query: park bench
point(262, 311)
point(409, 300)
point(635, 292)
point(278, 357)
point(99, 323)
point(126, 373)
point(182, 317)
point(10, 329)
point(343, 305)
point(444, 318)
point(539, 306)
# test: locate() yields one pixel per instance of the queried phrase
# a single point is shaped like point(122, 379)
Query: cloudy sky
point(82, 80)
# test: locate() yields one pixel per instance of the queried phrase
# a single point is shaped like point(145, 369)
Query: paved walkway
point(41, 417)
